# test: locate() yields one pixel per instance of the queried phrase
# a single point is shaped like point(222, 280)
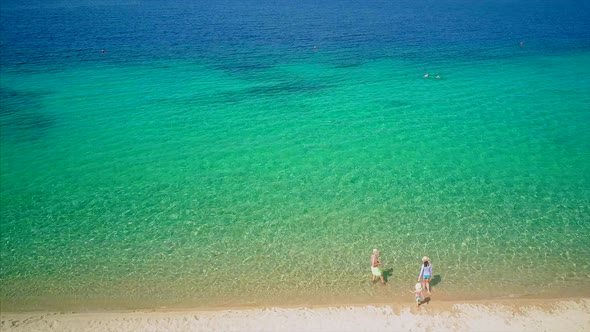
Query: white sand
point(521, 315)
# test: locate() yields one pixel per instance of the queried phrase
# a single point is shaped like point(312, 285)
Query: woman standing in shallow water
point(426, 273)
point(376, 266)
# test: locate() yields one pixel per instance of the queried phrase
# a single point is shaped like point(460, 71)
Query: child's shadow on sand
point(387, 273)
point(425, 301)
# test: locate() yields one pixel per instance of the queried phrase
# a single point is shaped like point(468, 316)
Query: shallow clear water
point(211, 156)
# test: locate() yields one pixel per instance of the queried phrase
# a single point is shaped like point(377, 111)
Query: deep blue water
point(241, 33)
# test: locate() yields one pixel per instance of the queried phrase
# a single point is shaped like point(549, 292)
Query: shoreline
point(389, 296)
point(572, 314)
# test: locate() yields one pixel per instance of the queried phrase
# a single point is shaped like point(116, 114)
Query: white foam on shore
point(529, 316)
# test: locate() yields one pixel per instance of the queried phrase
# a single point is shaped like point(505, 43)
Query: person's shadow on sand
point(425, 301)
point(387, 273)
point(435, 280)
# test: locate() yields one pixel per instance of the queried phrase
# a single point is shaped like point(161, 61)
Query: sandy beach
point(506, 315)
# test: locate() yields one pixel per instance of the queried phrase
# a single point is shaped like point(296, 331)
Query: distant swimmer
point(315, 48)
point(521, 44)
point(102, 51)
point(426, 75)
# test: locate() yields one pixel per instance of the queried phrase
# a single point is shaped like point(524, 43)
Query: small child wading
point(418, 294)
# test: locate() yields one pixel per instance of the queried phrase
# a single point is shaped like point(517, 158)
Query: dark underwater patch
point(243, 67)
point(22, 115)
point(397, 103)
point(297, 87)
point(347, 65)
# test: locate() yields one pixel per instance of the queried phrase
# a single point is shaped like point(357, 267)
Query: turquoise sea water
point(234, 164)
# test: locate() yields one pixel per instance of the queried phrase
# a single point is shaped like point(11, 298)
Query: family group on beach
point(423, 277)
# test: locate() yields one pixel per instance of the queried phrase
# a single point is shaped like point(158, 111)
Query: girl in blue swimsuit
point(426, 273)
